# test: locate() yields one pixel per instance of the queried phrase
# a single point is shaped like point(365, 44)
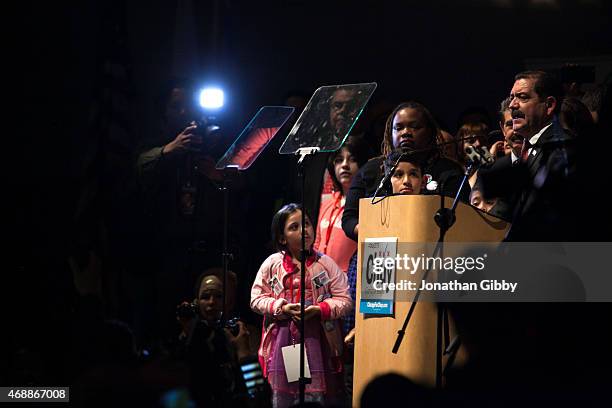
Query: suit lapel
point(534, 159)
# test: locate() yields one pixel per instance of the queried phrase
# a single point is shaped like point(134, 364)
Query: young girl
point(342, 166)
point(330, 238)
point(408, 175)
point(276, 295)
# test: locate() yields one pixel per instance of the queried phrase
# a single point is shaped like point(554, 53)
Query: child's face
point(345, 167)
point(479, 202)
point(292, 233)
point(407, 179)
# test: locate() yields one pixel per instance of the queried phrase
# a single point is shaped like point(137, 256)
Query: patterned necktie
point(525, 150)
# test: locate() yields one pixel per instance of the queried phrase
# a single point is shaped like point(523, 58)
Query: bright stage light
point(211, 98)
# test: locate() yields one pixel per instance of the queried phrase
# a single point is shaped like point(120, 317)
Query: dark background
point(86, 76)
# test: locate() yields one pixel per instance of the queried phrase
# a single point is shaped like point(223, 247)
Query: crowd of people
point(532, 177)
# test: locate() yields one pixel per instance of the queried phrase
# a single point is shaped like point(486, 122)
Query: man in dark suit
point(543, 179)
point(549, 206)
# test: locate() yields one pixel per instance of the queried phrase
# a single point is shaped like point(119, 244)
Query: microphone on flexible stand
point(478, 155)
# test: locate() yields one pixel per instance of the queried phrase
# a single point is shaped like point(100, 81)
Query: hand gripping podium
point(410, 218)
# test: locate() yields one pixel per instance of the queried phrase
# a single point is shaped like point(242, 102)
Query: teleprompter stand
point(323, 126)
point(239, 157)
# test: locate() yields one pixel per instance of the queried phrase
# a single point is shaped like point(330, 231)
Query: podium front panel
point(410, 218)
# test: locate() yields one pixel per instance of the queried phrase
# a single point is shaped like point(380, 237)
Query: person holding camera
point(208, 308)
point(177, 154)
point(213, 347)
point(181, 199)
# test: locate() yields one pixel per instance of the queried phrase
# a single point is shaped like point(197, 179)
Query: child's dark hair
point(477, 186)
point(358, 148)
point(278, 224)
point(418, 159)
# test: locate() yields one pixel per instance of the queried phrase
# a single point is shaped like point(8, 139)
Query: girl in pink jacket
point(276, 295)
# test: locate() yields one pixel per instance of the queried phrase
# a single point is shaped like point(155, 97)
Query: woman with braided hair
point(410, 127)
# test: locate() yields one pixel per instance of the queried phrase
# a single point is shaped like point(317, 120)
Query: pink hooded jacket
point(333, 299)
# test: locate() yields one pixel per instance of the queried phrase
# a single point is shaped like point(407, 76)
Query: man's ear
point(551, 104)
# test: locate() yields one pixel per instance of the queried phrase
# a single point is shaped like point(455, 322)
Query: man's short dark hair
point(545, 85)
point(504, 106)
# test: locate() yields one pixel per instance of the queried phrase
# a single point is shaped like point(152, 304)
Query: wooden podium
point(410, 218)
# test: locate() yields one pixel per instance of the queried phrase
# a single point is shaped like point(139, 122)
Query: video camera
point(206, 127)
point(187, 310)
point(210, 133)
point(191, 310)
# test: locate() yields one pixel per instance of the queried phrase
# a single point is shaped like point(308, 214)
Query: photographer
point(213, 347)
point(208, 308)
point(177, 153)
point(181, 201)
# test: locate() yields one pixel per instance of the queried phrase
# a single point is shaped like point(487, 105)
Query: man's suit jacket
point(544, 189)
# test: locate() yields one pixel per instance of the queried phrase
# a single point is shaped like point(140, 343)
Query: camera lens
point(186, 310)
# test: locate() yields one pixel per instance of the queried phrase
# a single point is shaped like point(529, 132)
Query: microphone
point(478, 155)
point(388, 175)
